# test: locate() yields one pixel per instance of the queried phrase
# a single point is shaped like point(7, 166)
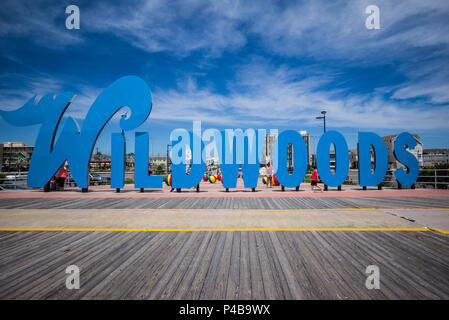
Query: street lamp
point(168, 153)
point(324, 119)
point(123, 115)
point(324, 122)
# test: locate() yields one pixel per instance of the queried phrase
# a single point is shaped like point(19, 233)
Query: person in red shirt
point(61, 176)
point(314, 182)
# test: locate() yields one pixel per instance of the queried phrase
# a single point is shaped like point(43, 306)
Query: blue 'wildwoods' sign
point(235, 149)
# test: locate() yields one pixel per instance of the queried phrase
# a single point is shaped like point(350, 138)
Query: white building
point(270, 139)
point(392, 162)
point(433, 157)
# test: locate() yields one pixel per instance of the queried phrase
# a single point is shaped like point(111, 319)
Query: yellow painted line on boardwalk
point(217, 229)
point(215, 209)
point(439, 231)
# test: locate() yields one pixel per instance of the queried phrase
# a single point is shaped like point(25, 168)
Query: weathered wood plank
point(224, 265)
point(227, 202)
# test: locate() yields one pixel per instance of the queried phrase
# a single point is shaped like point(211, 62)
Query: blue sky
point(237, 64)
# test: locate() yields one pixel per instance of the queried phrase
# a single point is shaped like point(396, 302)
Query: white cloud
point(40, 85)
point(436, 92)
point(411, 33)
point(14, 98)
point(279, 96)
point(317, 28)
point(41, 22)
point(177, 27)
point(320, 31)
point(262, 95)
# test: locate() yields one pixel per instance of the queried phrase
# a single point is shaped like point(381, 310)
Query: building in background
point(313, 160)
point(290, 158)
point(267, 152)
point(432, 157)
point(212, 162)
point(102, 162)
point(392, 162)
point(16, 156)
point(99, 162)
point(353, 159)
point(157, 164)
point(129, 161)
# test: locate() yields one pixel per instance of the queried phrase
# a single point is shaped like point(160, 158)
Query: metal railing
point(428, 178)
point(14, 180)
point(433, 178)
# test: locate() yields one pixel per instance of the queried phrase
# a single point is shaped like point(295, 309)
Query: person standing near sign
point(314, 182)
point(269, 174)
point(61, 176)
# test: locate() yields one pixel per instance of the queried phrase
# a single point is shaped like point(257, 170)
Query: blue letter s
point(403, 141)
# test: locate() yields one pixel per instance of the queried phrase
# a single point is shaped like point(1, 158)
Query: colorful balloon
point(167, 180)
point(274, 181)
point(205, 177)
point(265, 180)
point(212, 179)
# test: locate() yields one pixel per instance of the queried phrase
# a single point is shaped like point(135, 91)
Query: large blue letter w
point(75, 145)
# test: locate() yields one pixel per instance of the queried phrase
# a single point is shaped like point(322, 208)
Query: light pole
point(324, 119)
point(168, 154)
point(324, 122)
point(124, 144)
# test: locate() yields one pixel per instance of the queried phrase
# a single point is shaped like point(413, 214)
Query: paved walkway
point(131, 192)
point(225, 213)
point(224, 219)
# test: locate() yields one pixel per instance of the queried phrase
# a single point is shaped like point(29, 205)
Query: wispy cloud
point(179, 27)
point(41, 22)
point(411, 32)
point(262, 95)
point(281, 96)
point(40, 85)
point(282, 61)
point(296, 28)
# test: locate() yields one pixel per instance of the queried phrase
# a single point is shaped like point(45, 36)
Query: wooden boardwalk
point(226, 203)
point(224, 265)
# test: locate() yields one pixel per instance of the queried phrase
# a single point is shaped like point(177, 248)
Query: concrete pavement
point(212, 219)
